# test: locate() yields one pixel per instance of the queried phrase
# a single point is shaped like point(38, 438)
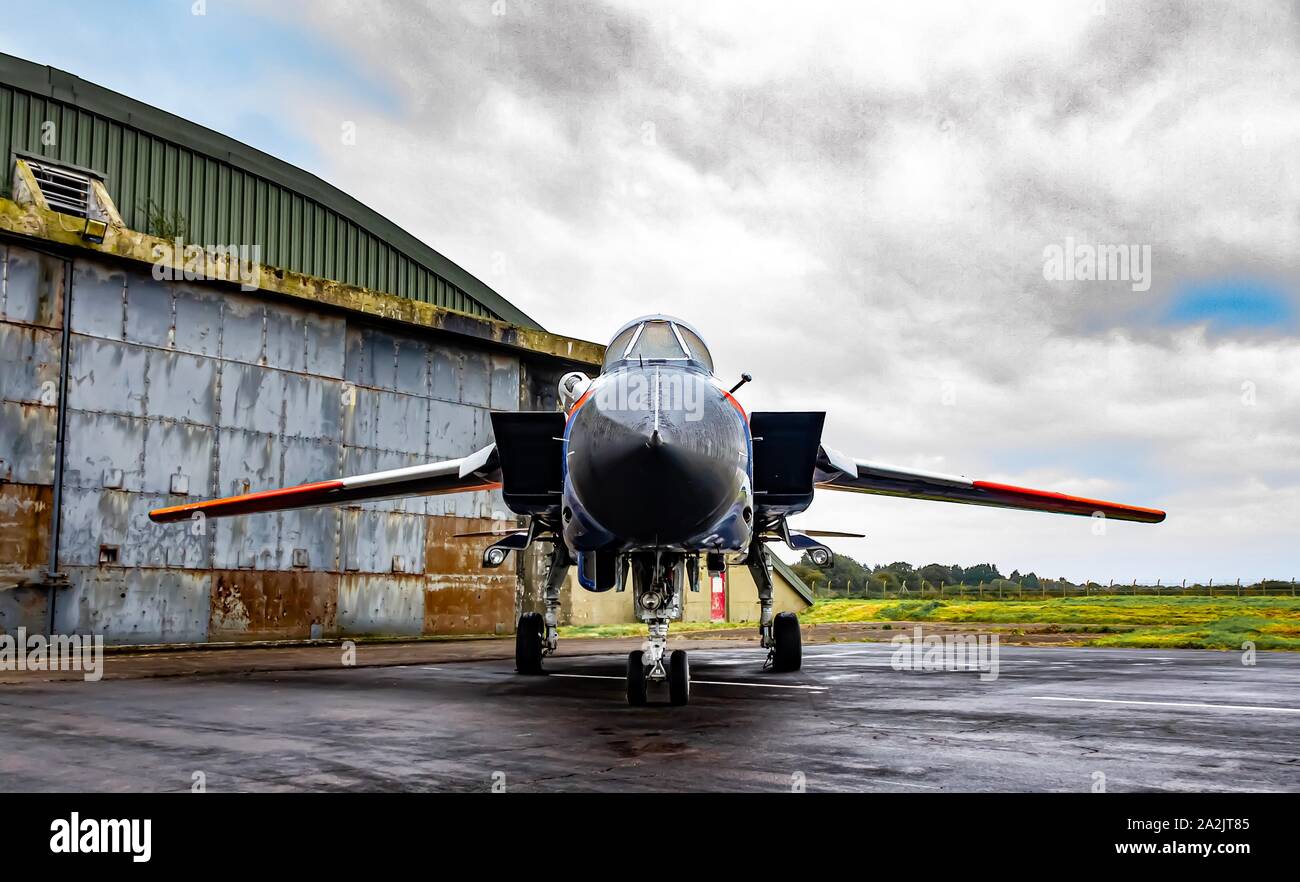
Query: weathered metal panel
point(32, 291)
point(149, 311)
point(31, 310)
point(252, 398)
point(24, 532)
point(29, 364)
point(444, 369)
point(360, 417)
point(403, 424)
point(272, 605)
point(198, 320)
point(178, 459)
point(454, 430)
point(181, 387)
point(371, 357)
point(389, 604)
point(95, 519)
point(383, 542)
point(243, 321)
point(104, 451)
point(312, 407)
point(504, 390)
point(412, 367)
point(326, 345)
point(106, 376)
point(469, 604)
point(476, 379)
point(134, 605)
point(24, 608)
point(460, 597)
point(27, 438)
point(98, 300)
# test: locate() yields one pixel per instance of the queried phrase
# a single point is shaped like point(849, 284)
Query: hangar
point(183, 316)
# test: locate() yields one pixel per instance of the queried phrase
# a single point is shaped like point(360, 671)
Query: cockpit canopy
point(658, 339)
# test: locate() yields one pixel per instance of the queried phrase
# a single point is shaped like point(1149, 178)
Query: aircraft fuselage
point(657, 457)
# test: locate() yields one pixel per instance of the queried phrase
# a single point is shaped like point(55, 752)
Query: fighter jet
point(652, 468)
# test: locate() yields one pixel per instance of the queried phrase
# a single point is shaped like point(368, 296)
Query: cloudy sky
point(853, 202)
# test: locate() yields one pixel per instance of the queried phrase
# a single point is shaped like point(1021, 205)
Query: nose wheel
point(640, 673)
point(679, 678)
point(636, 679)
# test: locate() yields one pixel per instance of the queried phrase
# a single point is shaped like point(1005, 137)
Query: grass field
point(1169, 622)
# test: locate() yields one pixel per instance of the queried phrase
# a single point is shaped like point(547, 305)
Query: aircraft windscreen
point(699, 352)
point(657, 340)
point(617, 346)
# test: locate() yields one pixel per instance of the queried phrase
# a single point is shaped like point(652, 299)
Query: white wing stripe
point(880, 469)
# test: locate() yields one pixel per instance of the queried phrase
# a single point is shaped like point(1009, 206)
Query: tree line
point(845, 574)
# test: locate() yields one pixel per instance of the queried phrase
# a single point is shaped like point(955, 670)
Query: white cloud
point(852, 203)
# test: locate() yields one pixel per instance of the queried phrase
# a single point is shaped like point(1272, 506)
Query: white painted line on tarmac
point(1240, 707)
point(695, 682)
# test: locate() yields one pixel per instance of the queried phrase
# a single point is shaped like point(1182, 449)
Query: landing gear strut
point(538, 634)
point(779, 635)
point(657, 584)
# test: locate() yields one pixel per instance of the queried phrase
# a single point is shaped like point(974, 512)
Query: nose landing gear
point(657, 583)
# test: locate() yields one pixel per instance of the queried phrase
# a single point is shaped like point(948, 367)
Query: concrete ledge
point(33, 221)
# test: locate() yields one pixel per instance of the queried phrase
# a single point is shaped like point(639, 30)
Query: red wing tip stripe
point(176, 512)
point(1099, 504)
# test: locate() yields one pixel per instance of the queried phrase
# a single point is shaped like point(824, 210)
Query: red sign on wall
point(718, 597)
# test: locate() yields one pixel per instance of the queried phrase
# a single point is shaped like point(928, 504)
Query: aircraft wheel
point(528, 643)
point(636, 685)
point(679, 678)
point(787, 654)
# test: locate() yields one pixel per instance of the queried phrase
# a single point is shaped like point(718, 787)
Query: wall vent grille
point(65, 190)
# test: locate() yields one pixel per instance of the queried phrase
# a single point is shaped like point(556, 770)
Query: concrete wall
point(187, 390)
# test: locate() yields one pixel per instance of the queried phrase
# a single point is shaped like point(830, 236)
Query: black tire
point(788, 651)
point(528, 643)
point(679, 678)
point(636, 685)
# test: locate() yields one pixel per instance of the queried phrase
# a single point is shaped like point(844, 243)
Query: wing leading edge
point(835, 471)
point(478, 471)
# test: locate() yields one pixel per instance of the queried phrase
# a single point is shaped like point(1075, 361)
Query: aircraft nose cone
point(651, 483)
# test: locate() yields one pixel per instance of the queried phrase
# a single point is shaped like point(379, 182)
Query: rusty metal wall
point(31, 321)
point(186, 390)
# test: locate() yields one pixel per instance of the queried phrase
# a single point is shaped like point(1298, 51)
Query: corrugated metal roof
point(227, 192)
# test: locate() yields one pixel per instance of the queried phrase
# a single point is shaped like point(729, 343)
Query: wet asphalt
point(1055, 719)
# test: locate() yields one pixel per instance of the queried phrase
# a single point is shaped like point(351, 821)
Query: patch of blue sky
point(1232, 304)
point(227, 69)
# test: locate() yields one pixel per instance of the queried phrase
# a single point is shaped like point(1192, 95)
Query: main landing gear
point(538, 634)
point(780, 635)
